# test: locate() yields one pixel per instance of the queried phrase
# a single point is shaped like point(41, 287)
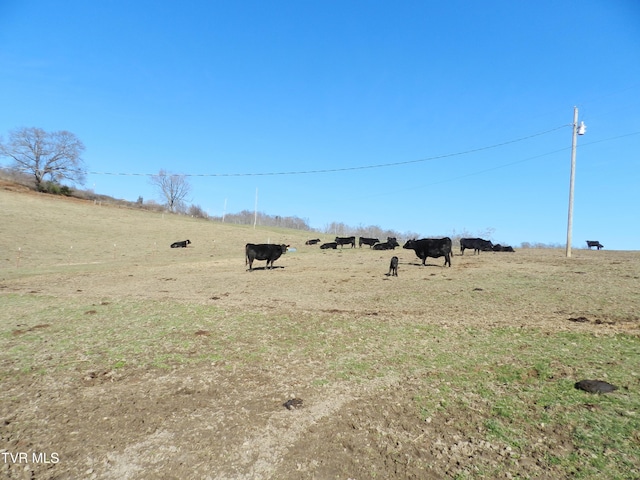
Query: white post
point(224, 210)
point(255, 211)
point(574, 141)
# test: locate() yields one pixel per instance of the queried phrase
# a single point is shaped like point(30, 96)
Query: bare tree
point(337, 228)
point(173, 188)
point(41, 154)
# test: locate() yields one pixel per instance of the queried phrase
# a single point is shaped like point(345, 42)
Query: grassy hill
point(128, 359)
point(47, 230)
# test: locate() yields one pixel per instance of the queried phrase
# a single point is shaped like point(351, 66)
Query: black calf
point(393, 267)
point(182, 244)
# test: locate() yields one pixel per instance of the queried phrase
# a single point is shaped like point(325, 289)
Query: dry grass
point(150, 362)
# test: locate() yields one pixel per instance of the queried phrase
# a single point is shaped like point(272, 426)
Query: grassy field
point(124, 359)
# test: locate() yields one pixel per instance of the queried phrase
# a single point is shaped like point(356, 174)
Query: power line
point(470, 174)
point(347, 169)
point(564, 149)
point(504, 165)
point(611, 138)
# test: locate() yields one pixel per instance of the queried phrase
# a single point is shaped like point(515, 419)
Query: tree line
point(48, 158)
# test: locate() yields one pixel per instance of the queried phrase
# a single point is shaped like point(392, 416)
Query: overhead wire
point(497, 167)
point(347, 169)
point(564, 149)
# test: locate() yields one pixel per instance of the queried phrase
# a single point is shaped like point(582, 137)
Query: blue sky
point(228, 90)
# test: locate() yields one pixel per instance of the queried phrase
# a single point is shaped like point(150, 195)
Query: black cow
point(312, 242)
point(393, 267)
point(368, 241)
point(346, 241)
point(431, 247)
point(333, 245)
point(502, 248)
point(594, 243)
point(390, 244)
point(263, 251)
point(478, 244)
point(182, 244)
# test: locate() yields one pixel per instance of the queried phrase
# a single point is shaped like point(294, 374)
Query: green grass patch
point(520, 390)
point(515, 385)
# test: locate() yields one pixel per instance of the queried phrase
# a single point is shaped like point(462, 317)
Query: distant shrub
point(153, 206)
point(197, 212)
point(50, 187)
point(55, 188)
point(18, 177)
point(247, 217)
point(540, 245)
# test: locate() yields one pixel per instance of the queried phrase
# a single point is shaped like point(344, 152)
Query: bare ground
point(225, 418)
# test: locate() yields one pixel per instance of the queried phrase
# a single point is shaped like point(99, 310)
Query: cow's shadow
point(264, 268)
point(419, 264)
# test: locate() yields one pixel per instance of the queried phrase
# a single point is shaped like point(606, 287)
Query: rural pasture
point(122, 358)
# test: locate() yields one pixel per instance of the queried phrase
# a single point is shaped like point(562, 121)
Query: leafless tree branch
point(173, 188)
point(41, 154)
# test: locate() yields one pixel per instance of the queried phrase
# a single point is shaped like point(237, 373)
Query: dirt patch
point(31, 329)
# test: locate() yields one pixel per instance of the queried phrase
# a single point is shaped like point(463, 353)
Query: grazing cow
point(346, 241)
point(477, 244)
point(263, 251)
point(312, 242)
point(503, 248)
point(431, 247)
point(182, 244)
point(333, 245)
point(368, 241)
point(594, 243)
point(393, 267)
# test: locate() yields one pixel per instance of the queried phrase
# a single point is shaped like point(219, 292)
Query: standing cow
point(478, 244)
point(263, 251)
point(594, 243)
point(367, 241)
point(431, 247)
point(346, 241)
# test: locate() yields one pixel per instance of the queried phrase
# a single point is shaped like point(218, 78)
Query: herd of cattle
point(423, 248)
point(374, 243)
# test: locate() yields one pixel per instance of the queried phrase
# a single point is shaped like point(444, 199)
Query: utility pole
point(577, 130)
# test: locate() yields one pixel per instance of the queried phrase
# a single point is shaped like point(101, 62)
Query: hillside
point(125, 358)
point(48, 230)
